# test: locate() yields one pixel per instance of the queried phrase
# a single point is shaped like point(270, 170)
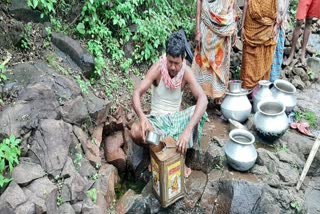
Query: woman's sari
point(212, 59)
point(259, 42)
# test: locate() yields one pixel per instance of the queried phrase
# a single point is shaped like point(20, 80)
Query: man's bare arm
point(199, 94)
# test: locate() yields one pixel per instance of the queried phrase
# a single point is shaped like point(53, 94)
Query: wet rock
point(40, 204)
point(26, 208)
point(214, 158)
point(10, 35)
point(312, 195)
point(301, 73)
point(105, 185)
point(297, 82)
point(74, 182)
point(114, 154)
point(74, 111)
point(13, 196)
point(288, 174)
point(195, 185)
point(97, 135)
point(268, 159)
point(195, 157)
point(20, 10)
point(26, 172)
point(36, 102)
point(65, 88)
point(131, 203)
point(86, 169)
point(66, 208)
point(210, 194)
point(98, 108)
point(77, 207)
point(259, 170)
point(93, 152)
point(290, 158)
point(137, 156)
point(153, 204)
point(91, 208)
point(73, 48)
point(52, 156)
point(82, 137)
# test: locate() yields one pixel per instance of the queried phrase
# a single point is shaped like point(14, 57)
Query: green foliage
point(25, 42)
point(45, 5)
point(309, 116)
point(111, 24)
point(92, 194)
point(296, 206)
point(9, 157)
point(281, 147)
point(84, 85)
point(293, 7)
point(59, 200)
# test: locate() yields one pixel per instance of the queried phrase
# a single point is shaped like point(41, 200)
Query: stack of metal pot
point(236, 105)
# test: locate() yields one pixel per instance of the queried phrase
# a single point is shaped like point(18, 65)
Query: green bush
point(9, 157)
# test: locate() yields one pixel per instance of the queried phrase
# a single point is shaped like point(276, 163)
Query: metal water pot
point(284, 92)
point(240, 151)
point(263, 93)
point(236, 106)
point(270, 121)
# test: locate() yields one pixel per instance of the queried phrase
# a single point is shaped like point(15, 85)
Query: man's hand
point(145, 126)
point(182, 143)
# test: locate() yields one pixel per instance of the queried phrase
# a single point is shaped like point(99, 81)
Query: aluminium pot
point(270, 121)
point(263, 93)
point(240, 151)
point(236, 106)
point(284, 92)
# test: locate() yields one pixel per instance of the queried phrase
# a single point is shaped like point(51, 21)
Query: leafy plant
point(309, 116)
point(9, 157)
point(84, 85)
point(92, 194)
point(296, 206)
point(281, 147)
point(59, 200)
point(25, 42)
point(45, 5)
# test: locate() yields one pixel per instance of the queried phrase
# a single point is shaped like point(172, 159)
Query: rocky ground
point(76, 150)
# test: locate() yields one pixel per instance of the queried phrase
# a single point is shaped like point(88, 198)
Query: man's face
point(174, 65)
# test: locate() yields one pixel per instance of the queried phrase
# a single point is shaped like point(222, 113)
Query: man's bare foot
point(187, 171)
point(288, 61)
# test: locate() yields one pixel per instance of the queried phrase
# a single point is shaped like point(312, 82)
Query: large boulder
point(78, 54)
point(50, 145)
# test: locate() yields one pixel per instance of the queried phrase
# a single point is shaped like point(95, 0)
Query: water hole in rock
point(127, 181)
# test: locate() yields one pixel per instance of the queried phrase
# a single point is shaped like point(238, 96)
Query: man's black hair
point(175, 45)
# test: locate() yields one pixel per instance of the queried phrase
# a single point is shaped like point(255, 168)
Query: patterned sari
point(259, 43)
point(212, 59)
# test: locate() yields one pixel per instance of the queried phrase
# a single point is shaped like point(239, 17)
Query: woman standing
point(258, 34)
point(215, 24)
point(278, 54)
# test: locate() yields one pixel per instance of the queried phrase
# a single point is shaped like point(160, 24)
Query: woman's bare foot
point(187, 171)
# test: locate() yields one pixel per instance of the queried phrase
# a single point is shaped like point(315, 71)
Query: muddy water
point(215, 127)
